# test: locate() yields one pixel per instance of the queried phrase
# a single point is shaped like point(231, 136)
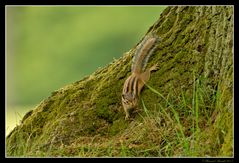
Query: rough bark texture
point(196, 42)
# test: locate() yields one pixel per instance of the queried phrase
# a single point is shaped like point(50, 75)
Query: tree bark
point(196, 42)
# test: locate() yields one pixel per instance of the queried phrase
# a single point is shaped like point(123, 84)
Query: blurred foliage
point(49, 47)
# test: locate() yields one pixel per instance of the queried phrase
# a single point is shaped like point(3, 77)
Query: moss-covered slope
point(86, 118)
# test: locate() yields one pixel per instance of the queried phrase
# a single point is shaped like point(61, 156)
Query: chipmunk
point(135, 82)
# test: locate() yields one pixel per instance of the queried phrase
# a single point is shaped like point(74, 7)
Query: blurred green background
point(52, 46)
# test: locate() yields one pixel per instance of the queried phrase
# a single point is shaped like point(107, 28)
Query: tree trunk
point(195, 77)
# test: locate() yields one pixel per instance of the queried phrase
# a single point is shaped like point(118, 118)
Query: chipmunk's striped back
point(131, 85)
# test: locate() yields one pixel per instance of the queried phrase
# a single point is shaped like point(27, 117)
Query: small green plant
point(190, 118)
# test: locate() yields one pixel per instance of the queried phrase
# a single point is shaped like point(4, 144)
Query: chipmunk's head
point(129, 100)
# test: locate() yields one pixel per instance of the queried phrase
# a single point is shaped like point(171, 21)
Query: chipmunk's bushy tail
point(143, 52)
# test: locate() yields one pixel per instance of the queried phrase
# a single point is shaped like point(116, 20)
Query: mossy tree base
point(86, 118)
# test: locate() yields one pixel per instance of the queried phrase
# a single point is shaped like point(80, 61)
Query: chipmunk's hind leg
point(154, 67)
point(146, 75)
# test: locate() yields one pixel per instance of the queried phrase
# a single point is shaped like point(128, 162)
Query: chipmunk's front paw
point(126, 117)
point(136, 110)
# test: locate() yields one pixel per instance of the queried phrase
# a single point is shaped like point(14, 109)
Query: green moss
point(227, 146)
point(167, 24)
point(118, 126)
